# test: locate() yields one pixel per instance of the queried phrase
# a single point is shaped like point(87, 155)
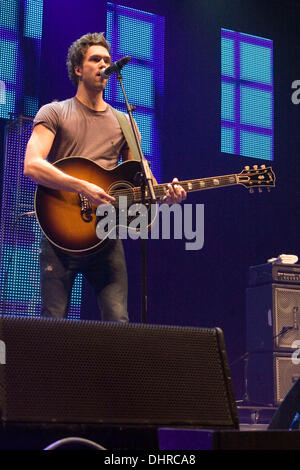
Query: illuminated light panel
point(146, 125)
point(227, 57)
point(7, 104)
point(20, 39)
point(8, 60)
point(133, 32)
point(247, 95)
point(33, 21)
point(2, 92)
point(228, 96)
point(227, 140)
point(20, 235)
point(259, 115)
point(256, 145)
point(31, 105)
point(9, 13)
point(256, 63)
point(142, 46)
point(140, 91)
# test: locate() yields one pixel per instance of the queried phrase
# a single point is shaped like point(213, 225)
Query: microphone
point(115, 67)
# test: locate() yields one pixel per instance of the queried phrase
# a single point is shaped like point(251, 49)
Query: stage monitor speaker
point(273, 316)
point(286, 412)
point(270, 376)
point(78, 371)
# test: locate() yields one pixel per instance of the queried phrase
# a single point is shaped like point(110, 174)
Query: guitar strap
point(130, 139)
point(128, 133)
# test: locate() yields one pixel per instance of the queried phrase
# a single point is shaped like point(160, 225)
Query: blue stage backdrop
point(20, 48)
point(20, 233)
point(130, 32)
point(212, 87)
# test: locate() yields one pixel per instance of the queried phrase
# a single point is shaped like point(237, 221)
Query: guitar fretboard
point(193, 185)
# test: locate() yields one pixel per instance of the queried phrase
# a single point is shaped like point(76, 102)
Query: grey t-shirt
point(81, 131)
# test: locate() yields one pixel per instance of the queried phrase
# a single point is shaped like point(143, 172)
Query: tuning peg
point(247, 168)
point(255, 167)
point(260, 190)
point(263, 167)
point(269, 190)
point(251, 190)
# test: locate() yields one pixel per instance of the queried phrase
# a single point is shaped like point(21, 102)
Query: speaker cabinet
point(271, 376)
point(273, 321)
point(286, 412)
point(273, 316)
point(65, 371)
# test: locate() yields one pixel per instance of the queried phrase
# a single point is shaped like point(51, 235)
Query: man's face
point(96, 58)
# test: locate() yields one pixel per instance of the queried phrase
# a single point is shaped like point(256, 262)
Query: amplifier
point(273, 316)
point(274, 272)
point(270, 376)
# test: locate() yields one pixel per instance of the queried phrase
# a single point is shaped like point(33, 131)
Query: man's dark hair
point(78, 49)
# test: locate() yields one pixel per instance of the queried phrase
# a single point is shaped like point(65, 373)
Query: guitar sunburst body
point(59, 212)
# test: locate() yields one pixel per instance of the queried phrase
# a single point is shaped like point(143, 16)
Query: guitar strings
point(190, 185)
point(160, 189)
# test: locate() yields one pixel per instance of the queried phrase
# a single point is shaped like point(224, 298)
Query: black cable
point(284, 330)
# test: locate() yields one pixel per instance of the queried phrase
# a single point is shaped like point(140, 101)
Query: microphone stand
point(145, 181)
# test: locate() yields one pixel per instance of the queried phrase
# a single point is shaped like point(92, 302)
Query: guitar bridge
point(86, 208)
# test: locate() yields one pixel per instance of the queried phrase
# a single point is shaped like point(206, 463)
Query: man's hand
point(175, 193)
point(95, 194)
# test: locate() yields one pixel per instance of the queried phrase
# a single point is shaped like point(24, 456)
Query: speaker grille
point(86, 371)
point(287, 374)
point(287, 314)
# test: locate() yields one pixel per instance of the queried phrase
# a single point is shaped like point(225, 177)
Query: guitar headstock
point(258, 177)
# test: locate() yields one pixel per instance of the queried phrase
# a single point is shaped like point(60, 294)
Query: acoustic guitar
point(69, 220)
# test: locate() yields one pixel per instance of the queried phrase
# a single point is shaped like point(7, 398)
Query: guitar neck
point(200, 184)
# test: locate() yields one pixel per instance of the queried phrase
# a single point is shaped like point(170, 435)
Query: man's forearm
point(46, 174)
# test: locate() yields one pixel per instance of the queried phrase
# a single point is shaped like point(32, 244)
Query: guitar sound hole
point(124, 196)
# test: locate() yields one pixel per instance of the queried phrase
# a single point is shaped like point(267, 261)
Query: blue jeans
point(105, 271)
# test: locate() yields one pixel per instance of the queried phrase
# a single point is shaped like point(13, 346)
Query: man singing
point(84, 125)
